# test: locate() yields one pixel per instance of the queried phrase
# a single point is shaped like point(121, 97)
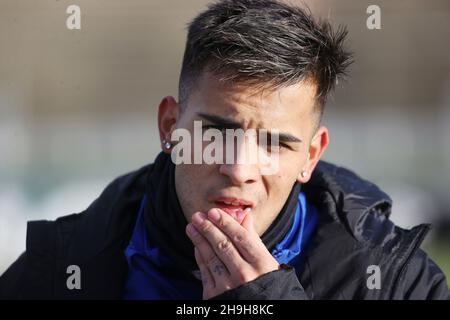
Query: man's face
point(289, 110)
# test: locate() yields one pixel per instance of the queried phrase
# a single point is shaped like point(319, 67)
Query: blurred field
point(439, 252)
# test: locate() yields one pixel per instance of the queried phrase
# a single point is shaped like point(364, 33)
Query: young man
point(308, 230)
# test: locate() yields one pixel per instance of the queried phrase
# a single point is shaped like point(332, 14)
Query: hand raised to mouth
point(228, 253)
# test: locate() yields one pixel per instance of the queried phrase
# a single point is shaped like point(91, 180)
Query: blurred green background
point(78, 107)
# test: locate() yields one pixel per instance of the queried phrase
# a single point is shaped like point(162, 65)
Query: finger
point(207, 278)
point(211, 260)
point(221, 245)
point(247, 223)
point(247, 243)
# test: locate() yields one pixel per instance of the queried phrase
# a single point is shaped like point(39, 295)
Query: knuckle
point(223, 222)
point(206, 227)
point(244, 242)
point(224, 246)
point(252, 252)
point(239, 238)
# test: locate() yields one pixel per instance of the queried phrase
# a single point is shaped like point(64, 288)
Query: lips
point(235, 207)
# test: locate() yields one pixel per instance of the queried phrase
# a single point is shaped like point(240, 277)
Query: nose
point(240, 174)
point(243, 167)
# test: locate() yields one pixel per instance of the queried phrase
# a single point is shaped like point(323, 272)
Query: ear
point(318, 145)
point(168, 112)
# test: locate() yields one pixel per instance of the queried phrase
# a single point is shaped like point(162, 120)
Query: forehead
point(253, 107)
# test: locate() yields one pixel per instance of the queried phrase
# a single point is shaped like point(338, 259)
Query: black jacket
point(353, 233)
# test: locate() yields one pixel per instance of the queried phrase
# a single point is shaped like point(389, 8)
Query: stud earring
point(167, 144)
point(304, 173)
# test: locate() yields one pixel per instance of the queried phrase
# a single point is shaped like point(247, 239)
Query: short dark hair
point(264, 42)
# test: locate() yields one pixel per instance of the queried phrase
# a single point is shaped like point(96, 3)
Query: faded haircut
point(264, 43)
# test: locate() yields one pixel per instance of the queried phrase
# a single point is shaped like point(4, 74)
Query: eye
point(270, 145)
point(284, 147)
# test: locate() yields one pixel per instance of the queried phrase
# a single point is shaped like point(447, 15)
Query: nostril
point(240, 174)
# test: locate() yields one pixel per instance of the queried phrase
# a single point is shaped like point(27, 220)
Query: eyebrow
point(231, 124)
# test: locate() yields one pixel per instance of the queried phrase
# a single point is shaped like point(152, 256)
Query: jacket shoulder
point(355, 232)
point(422, 279)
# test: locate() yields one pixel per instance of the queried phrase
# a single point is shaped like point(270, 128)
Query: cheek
point(288, 172)
point(275, 184)
point(291, 166)
point(189, 175)
point(187, 195)
point(194, 182)
point(280, 185)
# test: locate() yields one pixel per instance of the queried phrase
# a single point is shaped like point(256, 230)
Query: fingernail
point(214, 215)
point(198, 218)
point(191, 229)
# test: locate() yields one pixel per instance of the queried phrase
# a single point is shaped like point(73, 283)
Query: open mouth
point(236, 208)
